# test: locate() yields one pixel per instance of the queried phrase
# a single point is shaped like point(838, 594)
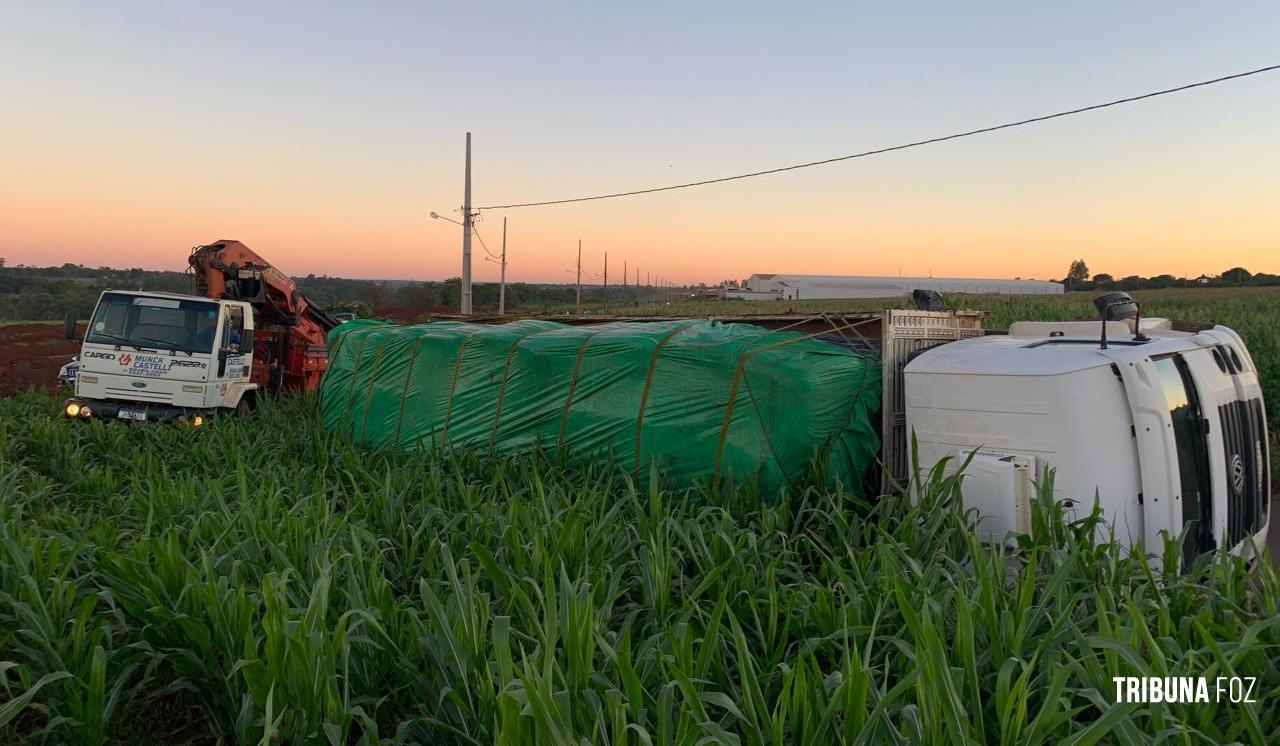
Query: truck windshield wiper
point(160, 343)
point(122, 340)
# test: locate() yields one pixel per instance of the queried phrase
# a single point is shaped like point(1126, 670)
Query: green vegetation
point(265, 581)
point(49, 293)
point(1079, 278)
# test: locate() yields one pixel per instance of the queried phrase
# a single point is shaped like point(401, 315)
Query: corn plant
point(263, 581)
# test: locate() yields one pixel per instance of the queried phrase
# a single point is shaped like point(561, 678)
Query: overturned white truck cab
point(1163, 422)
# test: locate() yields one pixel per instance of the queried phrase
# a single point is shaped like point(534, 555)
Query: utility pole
point(624, 278)
point(466, 235)
point(637, 285)
point(502, 276)
point(577, 303)
point(606, 279)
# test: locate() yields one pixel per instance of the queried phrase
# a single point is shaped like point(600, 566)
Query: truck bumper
point(85, 409)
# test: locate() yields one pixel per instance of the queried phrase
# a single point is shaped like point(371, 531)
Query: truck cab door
point(235, 355)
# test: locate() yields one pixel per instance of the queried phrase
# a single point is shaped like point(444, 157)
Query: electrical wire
point(890, 149)
point(476, 232)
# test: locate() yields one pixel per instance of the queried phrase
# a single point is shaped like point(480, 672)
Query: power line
point(878, 151)
point(476, 232)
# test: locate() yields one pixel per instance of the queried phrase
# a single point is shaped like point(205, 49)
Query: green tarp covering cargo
point(699, 397)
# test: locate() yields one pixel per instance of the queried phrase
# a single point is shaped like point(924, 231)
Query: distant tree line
point(1079, 278)
point(49, 293)
point(445, 295)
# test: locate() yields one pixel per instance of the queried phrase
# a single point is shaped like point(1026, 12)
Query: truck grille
point(1245, 449)
point(131, 394)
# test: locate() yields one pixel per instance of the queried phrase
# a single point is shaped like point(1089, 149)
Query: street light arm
point(438, 216)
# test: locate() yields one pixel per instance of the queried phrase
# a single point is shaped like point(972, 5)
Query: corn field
point(261, 581)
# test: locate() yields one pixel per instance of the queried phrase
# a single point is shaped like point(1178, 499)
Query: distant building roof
point(781, 277)
point(796, 286)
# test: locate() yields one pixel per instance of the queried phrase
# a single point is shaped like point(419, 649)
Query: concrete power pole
point(502, 274)
point(577, 303)
point(606, 279)
point(466, 235)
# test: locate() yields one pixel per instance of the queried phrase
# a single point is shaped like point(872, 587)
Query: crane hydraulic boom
point(290, 350)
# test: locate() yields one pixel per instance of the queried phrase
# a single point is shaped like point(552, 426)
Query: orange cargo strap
point(351, 387)
point(337, 345)
point(728, 413)
point(368, 391)
point(502, 388)
point(573, 384)
point(764, 430)
point(648, 382)
point(737, 376)
point(453, 387)
point(408, 374)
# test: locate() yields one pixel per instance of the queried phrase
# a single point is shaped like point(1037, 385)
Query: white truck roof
point(161, 294)
point(1050, 348)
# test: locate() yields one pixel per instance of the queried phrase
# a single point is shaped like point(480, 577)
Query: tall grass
point(265, 582)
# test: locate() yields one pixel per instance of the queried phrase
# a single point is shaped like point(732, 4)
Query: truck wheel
point(243, 408)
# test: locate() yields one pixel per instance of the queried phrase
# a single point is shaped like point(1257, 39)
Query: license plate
point(132, 413)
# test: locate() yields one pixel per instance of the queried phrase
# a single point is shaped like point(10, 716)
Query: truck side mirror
point(928, 300)
point(246, 341)
point(1117, 306)
point(69, 325)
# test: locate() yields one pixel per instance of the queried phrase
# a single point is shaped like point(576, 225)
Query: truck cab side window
point(234, 329)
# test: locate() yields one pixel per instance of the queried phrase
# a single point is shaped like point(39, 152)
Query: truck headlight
point(73, 409)
point(85, 411)
point(197, 421)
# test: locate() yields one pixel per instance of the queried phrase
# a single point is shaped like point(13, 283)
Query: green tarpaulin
point(699, 397)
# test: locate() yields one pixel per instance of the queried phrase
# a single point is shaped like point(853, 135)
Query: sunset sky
point(322, 135)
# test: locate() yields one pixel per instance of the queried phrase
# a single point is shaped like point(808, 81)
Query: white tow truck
point(1163, 422)
point(163, 356)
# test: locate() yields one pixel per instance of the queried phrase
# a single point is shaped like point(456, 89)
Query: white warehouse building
point(818, 287)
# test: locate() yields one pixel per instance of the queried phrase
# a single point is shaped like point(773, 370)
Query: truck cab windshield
point(154, 322)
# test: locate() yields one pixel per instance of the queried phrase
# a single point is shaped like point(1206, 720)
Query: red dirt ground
point(31, 354)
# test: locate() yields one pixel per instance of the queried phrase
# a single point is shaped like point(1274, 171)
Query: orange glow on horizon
point(155, 231)
point(323, 139)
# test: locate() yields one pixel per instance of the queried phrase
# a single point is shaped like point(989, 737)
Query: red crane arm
point(291, 329)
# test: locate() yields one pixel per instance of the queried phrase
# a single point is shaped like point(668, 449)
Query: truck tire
point(244, 408)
